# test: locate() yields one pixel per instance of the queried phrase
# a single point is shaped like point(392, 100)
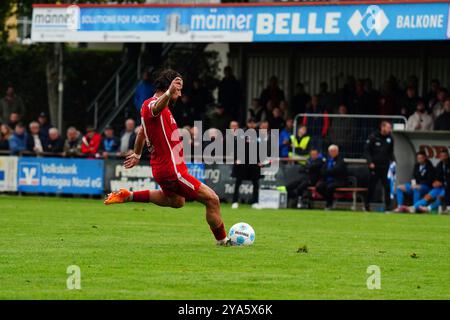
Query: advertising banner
point(59, 175)
point(8, 173)
point(242, 22)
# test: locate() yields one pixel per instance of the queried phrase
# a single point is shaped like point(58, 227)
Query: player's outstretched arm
point(163, 100)
point(133, 159)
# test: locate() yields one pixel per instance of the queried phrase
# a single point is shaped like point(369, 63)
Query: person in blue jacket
point(18, 141)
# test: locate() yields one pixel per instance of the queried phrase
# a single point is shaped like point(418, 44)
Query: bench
point(341, 193)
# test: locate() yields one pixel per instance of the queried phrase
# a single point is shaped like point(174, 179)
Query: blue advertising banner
point(242, 23)
point(59, 175)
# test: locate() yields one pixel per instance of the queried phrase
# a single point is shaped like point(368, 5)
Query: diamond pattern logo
point(373, 19)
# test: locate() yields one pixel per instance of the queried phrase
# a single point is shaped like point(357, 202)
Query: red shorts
point(186, 186)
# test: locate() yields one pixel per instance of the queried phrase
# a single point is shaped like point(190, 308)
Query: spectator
point(409, 103)
point(218, 119)
point(54, 142)
point(300, 99)
point(284, 109)
point(272, 92)
point(423, 177)
point(18, 140)
point(300, 142)
point(443, 121)
point(438, 107)
point(109, 144)
point(373, 97)
point(440, 187)
point(5, 135)
point(13, 120)
point(200, 98)
point(318, 123)
point(144, 91)
point(128, 137)
point(431, 96)
point(11, 103)
point(35, 141)
point(309, 176)
point(341, 130)
point(44, 124)
point(359, 100)
point(90, 143)
point(256, 111)
point(183, 112)
point(333, 175)
point(285, 138)
point(420, 120)
point(72, 144)
point(230, 93)
point(326, 99)
point(276, 121)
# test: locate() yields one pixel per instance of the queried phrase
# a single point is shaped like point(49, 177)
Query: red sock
point(141, 196)
point(219, 232)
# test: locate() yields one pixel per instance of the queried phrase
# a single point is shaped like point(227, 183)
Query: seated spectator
point(309, 176)
point(5, 135)
point(285, 138)
point(90, 143)
point(300, 142)
point(420, 120)
point(11, 103)
point(218, 118)
point(13, 120)
point(54, 142)
point(276, 121)
point(423, 177)
point(438, 106)
point(256, 111)
point(109, 144)
point(333, 175)
point(35, 142)
point(45, 124)
point(72, 144)
point(18, 140)
point(128, 137)
point(441, 185)
point(443, 121)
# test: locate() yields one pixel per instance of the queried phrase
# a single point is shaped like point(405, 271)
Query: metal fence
point(349, 132)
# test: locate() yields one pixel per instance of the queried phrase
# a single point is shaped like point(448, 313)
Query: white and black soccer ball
point(242, 234)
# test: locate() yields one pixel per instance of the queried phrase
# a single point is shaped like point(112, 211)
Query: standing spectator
point(318, 123)
point(410, 101)
point(341, 131)
point(144, 90)
point(35, 141)
point(423, 177)
point(54, 142)
point(200, 98)
point(326, 99)
point(359, 100)
point(218, 118)
point(300, 143)
point(183, 112)
point(230, 93)
point(373, 97)
point(18, 140)
point(11, 103)
point(272, 92)
point(90, 143)
point(285, 138)
point(379, 153)
point(284, 109)
point(128, 137)
point(72, 144)
point(5, 135)
point(256, 111)
point(443, 121)
point(420, 120)
point(300, 99)
point(333, 175)
point(110, 143)
point(44, 124)
point(438, 107)
point(431, 96)
point(276, 121)
point(13, 120)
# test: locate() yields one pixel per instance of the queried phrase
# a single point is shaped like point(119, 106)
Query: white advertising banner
point(8, 173)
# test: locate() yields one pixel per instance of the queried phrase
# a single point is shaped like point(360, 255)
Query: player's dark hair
point(421, 153)
point(164, 79)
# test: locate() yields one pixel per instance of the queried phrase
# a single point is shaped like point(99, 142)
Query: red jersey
point(161, 133)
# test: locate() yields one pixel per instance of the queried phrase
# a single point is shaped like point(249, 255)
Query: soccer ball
point(242, 234)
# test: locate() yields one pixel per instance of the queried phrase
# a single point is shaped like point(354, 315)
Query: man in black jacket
point(333, 175)
point(423, 177)
point(309, 176)
point(379, 153)
point(443, 121)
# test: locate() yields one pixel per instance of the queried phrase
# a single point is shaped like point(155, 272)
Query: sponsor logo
point(373, 19)
point(29, 174)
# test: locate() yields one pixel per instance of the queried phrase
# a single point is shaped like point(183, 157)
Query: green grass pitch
point(140, 251)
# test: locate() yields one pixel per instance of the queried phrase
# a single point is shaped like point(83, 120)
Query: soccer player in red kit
point(160, 132)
